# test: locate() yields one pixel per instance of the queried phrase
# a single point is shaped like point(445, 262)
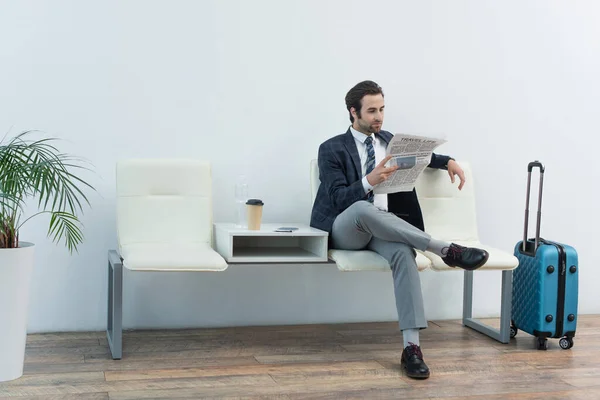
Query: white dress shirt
point(380, 200)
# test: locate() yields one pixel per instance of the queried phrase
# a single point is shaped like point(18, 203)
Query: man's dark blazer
point(341, 186)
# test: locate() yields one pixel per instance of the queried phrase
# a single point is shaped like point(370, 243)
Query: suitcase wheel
point(542, 343)
point(566, 343)
point(513, 331)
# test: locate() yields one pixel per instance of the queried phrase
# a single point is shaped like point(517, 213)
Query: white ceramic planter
point(16, 266)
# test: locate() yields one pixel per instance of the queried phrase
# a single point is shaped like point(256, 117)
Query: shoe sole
point(481, 264)
point(415, 376)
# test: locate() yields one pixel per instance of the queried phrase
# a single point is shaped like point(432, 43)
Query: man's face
point(371, 114)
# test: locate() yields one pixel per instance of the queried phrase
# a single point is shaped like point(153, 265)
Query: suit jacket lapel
point(353, 151)
point(385, 136)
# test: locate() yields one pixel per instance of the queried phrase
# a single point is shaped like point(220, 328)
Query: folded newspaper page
point(412, 154)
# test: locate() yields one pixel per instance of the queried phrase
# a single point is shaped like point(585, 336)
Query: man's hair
point(355, 95)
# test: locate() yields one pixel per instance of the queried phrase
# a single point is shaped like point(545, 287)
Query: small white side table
point(238, 245)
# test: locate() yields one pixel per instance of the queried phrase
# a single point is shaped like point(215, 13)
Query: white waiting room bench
point(164, 223)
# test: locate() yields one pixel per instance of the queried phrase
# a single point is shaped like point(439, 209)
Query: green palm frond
point(38, 169)
point(6, 200)
point(67, 225)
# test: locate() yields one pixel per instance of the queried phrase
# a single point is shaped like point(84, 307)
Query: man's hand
point(455, 169)
point(380, 173)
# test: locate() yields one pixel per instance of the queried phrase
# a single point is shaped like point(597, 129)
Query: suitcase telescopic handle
point(534, 164)
point(530, 168)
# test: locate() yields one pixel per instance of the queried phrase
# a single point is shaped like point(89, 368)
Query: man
point(350, 166)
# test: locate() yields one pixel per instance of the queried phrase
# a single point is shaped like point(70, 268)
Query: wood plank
point(360, 353)
point(216, 338)
point(582, 377)
point(92, 342)
point(218, 352)
point(335, 377)
point(373, 393)
point(167, 355)
point(553, 360)
point(67, 378)
point(428, 339)
point(53, 358)
point(437, 347)
point(64, 336)
point(458, 332)
point(241, 382)
point(132, 365)
point(66, 351)
point(241, 350)
point(432, 392)
point(370, 326)
point(178, 346)
point(577, 394)
point(265, 391)
point(479, 365)
point(227, 331)
point(459, 378)
point(221, 394)
point(327, 357)
point(81, 396)
point(542, 388)
point(258, 369)
point(588, 321)
point(394, 394)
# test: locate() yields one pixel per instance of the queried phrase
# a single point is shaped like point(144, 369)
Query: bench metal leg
point(503, 334)
point(114, 326)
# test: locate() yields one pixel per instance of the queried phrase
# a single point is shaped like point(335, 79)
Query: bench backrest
point(448, 213)
point(163, 201)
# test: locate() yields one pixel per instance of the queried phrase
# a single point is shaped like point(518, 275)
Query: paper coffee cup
point(254, 209)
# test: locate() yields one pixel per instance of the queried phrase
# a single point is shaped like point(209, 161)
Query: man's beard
point(372, 128)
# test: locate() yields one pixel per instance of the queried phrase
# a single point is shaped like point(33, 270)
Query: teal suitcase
point(545, 284)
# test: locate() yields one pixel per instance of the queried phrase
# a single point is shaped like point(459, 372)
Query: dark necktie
point(370, 161)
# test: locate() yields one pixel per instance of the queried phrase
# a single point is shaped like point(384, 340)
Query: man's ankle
point(410, 336)
point(438, 247)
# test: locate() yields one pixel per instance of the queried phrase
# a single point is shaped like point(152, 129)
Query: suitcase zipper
point(562, 283)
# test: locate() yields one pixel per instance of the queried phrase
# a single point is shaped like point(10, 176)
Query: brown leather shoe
point(412, 362)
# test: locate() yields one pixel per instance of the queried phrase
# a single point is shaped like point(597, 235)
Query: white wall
point(255, 87)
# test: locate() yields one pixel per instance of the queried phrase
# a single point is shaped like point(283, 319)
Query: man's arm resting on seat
point(439, 161)
point(449, 164)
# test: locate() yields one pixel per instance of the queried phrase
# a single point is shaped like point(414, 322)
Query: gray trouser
point(361, 226)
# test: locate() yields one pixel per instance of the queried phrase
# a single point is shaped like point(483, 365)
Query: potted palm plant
point(31, 169)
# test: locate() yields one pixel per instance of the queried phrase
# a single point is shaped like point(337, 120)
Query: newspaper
point(412, 154)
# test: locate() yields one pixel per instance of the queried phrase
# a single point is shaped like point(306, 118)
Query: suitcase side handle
point(530, 168)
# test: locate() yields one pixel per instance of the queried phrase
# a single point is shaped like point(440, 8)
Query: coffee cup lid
point(255, 202)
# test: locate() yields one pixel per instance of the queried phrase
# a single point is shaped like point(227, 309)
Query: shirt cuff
point(366, 185)
point(447, 162)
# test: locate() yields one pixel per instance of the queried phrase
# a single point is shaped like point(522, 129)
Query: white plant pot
point(16, 266)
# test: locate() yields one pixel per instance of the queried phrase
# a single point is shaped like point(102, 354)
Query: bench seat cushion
point(172, 257)
point(367, 260)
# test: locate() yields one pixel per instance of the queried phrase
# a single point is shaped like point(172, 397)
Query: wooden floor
point(306, 362)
